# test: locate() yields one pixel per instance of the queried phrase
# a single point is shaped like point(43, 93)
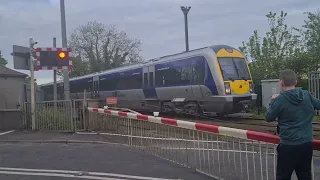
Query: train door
point(148, 83)
point(95, 86)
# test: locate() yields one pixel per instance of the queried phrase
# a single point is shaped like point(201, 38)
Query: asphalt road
point(109, 161)
point(231, 160)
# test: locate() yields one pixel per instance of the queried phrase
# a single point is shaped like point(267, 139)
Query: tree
point(3, 61)
point(28, 80)
point(311, 35)
point(279, 49)
point(80, 67)
point(97, 47)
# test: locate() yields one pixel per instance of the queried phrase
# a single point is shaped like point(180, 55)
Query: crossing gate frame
point(314, 85)
point(51, 116)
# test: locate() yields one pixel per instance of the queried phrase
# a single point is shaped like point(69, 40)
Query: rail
point(219, 152)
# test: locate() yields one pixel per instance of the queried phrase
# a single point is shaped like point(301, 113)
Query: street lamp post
point(185, 10)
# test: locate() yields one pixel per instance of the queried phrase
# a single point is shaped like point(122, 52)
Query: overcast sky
point(158, 24)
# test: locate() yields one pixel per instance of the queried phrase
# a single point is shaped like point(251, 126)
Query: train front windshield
point(234, 69)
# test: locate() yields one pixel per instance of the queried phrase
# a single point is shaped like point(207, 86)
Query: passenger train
point(214, 79)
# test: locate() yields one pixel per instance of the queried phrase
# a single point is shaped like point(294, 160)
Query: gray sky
point(157, 23)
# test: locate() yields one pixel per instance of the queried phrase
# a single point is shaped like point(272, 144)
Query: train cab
point(233, 69)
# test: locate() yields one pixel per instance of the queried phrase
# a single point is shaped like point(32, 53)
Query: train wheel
point(192, 109)
point(220, 115)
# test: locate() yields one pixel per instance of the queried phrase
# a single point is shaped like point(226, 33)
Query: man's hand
point(274, 96)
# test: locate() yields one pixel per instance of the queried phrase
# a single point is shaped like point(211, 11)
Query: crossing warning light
point(54, 58)
point(62, 55)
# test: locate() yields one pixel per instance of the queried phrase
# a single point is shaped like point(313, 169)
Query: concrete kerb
point(53, 140)
point(60, 141)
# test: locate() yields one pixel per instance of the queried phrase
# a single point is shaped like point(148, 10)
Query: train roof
point(215, 48)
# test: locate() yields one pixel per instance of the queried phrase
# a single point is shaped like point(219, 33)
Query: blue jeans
point(294, 158)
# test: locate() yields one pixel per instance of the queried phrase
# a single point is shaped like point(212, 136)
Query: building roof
point(4, 71)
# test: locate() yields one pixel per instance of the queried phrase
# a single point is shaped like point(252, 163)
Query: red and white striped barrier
point(232, 132)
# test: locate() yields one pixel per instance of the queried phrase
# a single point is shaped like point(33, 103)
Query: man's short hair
point(288, 77)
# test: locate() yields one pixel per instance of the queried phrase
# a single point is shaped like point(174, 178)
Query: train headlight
point(251, 87)
point(227, 88)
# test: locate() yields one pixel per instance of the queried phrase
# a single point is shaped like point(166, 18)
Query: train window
point(228, 69)
point(242, 68)
point(121, 83)
point(87, 86)
point(60, 89)
point(77, 87)
point(173, 76)
point(197, 75)
point(184, 73)
point(74, 88)
point(129, 82)
point(108, 84)
point(160, 79)
point(197, 70)
point(81, 86)
point(49, 89)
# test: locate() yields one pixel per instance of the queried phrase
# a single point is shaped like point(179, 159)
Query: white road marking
point(7, 132)
point(62, 173)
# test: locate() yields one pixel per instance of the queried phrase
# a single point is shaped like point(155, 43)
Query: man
point(294, 109)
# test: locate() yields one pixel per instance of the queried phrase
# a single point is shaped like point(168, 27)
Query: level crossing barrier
point(219, 152)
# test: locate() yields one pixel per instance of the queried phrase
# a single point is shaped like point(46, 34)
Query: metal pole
point(54, 75)
point(64, 45)
point(33, 103)
point(55, 79)
point(185, 11)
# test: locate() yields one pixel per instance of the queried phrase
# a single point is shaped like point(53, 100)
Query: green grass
point(258, 116)
point(48, 118)
point(316, 118)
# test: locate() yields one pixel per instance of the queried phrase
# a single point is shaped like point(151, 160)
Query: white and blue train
point(211, 79)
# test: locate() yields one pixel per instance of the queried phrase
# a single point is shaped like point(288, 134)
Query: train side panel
point(193, 77)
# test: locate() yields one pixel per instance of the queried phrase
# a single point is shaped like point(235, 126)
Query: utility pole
point(55, 80)
point(185, 11)
point(33, 101)
point(64, 45)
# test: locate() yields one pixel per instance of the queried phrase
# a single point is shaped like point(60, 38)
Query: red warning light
point(62, 55)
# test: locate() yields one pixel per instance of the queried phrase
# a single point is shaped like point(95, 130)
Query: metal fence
point(50, 116)
point(314, 86)
point(219, 152)
point(64, 116)
point(79, 108)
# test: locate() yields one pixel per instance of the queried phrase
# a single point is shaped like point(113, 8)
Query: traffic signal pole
point(32, 96)
point(55, 80)
point(64, 45)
